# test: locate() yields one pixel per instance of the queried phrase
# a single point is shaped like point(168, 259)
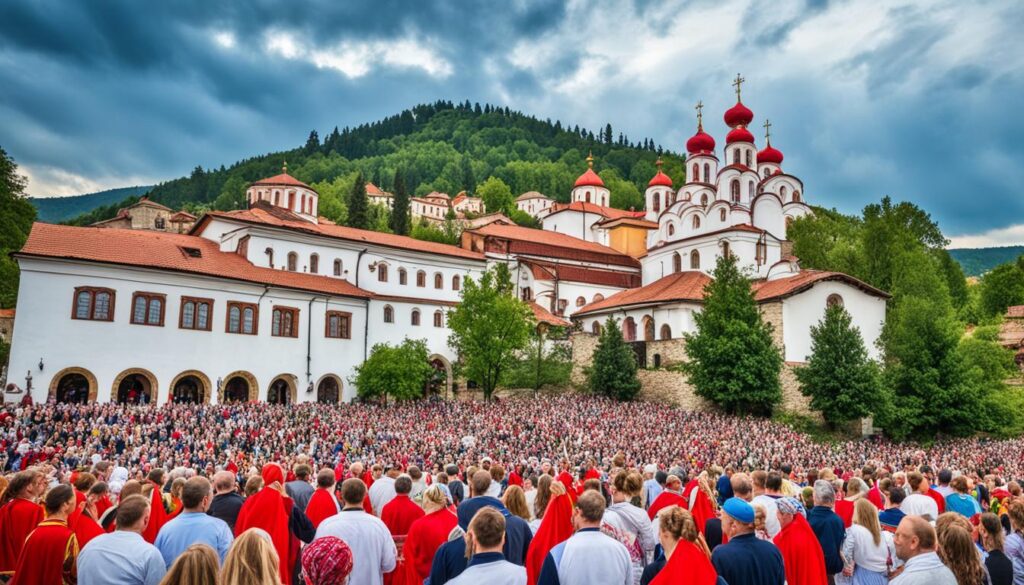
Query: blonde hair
point(251, 560)
point(434, 497)
point(760, 517)
point(948, 520)
point(866, 514)
point(957, 551)
point(679, 524)
point(253, 485)
point(515, 500)
point(196, 566)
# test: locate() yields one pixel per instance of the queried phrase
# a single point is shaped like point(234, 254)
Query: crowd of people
point(554, 490)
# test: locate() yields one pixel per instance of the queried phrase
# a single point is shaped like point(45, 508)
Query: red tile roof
point(174, 252)
point(6, 313)
point(264, 214)
point(283, 179)
point(584, 207)
point(183, 216)
point(538, 242)
point(543, 315)
point(630, 221)
point(548, 271)
point(689, 286)
point(372, 189)
point(1015, 312)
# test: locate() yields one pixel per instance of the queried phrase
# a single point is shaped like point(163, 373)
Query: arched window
point(598, 297)
point(562, 304)
point(767, 172)
point(438, 280)
point(750, 160)
point(416, 317)
point(293, 261)
point(588, 196)
point(314, 263)
point(671, 229)
point(421, 279)
point(438, 319)
point(403, 276)
point(657, 203)
point(389, 314)
point(761, 252)
point(527, 294)
point(270, 256)
point(696, 222)
point(382, 272)
point(595, 328)
point(291, 200)
point(796, 196)
point(704, 200)
point(721, 215)
point(707, 173)
point(726, 249)
point(241, 318)
point(456, 282)
point(277, 198)
point(666, 332)
point(696, 172)
point(750, 187)
point(734, 190)
point(834, 300)
point(94, 304)
point(677, 263)
point(580, 301)
point(337, 267)
point(629, 329)
point(695, 260)
point(736, 156)
point(783, 192)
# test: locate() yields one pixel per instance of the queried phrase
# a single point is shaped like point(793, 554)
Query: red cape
point(426, 535)
point(801, 553)
point(664, 500)
point(321, 506)
point(84, 526)
point(554, 528)
point(688, 565)
point(875, 497)
point(48, 557)
point(18, 518)
point(844, 509)
point(399, 515)
point(702, 508)
point(157, 515)
point(269, 510)
point(102, 505)
point(565, 479)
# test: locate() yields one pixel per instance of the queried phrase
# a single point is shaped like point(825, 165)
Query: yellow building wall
point(628, 240)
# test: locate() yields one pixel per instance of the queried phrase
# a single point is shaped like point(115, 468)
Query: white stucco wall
point(802, 311)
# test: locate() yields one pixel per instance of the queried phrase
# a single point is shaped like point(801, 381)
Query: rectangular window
point(93, 304)
point(195, 314)
point(242, 318)
point(339, 325)
point(148, 309)
point(285, 322)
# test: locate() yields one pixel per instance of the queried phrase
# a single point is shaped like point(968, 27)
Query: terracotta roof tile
point(548, 271)
point(283, 179)
point(175, 252)
point(6, 313)
point(767, 290)
point(584, 207)
point(372, 189)
point(539, 242)
point(543, 315)
point(183, 216)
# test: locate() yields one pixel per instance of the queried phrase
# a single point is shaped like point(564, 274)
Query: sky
point(917, 100)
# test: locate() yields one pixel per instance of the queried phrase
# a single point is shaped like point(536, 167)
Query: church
point(275, 303)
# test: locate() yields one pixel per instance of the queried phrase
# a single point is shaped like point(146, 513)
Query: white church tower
point(589, 187)
point(287, 192)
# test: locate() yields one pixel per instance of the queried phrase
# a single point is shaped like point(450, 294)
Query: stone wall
point(772, 314)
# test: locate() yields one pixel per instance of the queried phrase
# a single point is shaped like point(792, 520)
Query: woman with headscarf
point(327, 561)
point(802, 556)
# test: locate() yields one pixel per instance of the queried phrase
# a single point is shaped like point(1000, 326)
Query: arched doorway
point(190, 386)
point(441, 380)
point(239, 387)
point(328, 390)
point(629, 329)
point(282, 390)
point(73, 385)
point(134, 386)
point(648, 323)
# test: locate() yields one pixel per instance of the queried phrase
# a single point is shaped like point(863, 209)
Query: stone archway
point(72, 378)
point(441, 380)
point(236, 385)
point(136, 386)
point(283, 390)
point(329, 389)
point(195, 378)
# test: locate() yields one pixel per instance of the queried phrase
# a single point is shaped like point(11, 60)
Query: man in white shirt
point(768, 489)
point(915, 545)
point(123, 557)
point(367, 536)
point(919, 503)
point(485, 537)
point(589, 556)
point(383, 490)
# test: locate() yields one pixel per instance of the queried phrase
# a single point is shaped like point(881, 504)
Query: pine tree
point(841, 381)
point(608, 133)
point(358, 204)
point(732, 360)
point(466, 168)
point(312, 143)
point(400, 211)
point(613, 369)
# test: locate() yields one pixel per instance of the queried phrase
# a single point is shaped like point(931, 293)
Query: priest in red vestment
point(270, 509)
point(671, 496)
point(426, 535)
point(699, 502)
point(687, 565)
point(802, 556)
point(398, 515)
point(49, 554)
point(555, 527)
point(322, 504)
point(158, 514)
point(19, 515)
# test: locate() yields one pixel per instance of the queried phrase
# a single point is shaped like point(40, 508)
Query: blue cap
point(739, 509)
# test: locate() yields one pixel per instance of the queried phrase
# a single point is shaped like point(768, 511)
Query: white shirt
point(589, 557)
point(381, 492)
point(497, 572)
point(859, 547)
point(494, 490)
point(925, 569)
point(370, 541)
point(920, 505)
point(120, 558)
point(531, 499)
point(771, 517)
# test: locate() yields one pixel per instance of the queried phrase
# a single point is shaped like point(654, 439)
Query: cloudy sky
point(919, 100)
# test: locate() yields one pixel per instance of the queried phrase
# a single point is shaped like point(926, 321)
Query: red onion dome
point(660, 180)
point(738, 115)
point(589, 179)
point(739, 134)
point(770, 154)
point(700, 143)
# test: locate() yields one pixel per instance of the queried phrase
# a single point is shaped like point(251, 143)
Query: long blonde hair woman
point(515, 500)
point(251, 560)
point(196, 566)
point(869, 554)
point(957, 551)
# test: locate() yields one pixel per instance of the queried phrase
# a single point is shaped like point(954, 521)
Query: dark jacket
point(226, 507)
point(450, 560)
point(829, 529)
point(746, 560)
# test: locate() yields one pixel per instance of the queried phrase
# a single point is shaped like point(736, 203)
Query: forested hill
point(978, 261)
point(443, 147)
point(53, 209)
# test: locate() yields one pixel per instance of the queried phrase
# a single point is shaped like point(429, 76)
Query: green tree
point(987, 365)
point(312, 143)
point(399, 371)
point(1001, 287)
point(889, 229)
point(828, 240)
point(496, 194)
point(489, 327)
point(428, 232)
point(841, 381)
point(232, 195)
point(400, 209)
point(613, 366)
point(468, 178)
point(358, 205)
point(541, 363)
point(732, 360)
point(16, 218)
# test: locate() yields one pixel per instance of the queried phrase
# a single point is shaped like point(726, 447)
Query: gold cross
point(738, 82)
point(767, 129)
point(700, 113)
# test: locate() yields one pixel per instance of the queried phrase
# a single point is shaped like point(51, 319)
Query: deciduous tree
point(399, 371)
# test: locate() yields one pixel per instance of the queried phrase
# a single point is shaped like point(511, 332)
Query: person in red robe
point(398, 515)
point(81, 520)
point(555, 527)
point(323, 503)
point(158, 514)
point(672, 496)
point(802, 556)
point(426, 535)
point(270, 509)
point(687, 565)
point(19, 515)
point(698, 502)
point(48, 557)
